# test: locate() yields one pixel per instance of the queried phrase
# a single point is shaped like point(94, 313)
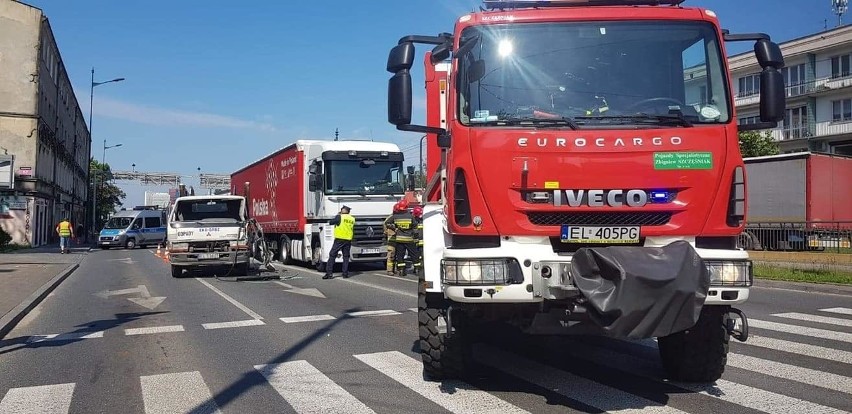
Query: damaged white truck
point(209, 232)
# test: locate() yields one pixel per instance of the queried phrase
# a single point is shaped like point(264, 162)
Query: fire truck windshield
point(592, 73)
point(363, 177)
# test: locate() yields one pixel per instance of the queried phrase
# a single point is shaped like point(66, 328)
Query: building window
point(840, 66)
point(794, 79)
point(747, 120)
point(796, 123)
point(749, 85)
point(841, 110)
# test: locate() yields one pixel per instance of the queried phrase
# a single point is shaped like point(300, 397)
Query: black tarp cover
point(642, 292)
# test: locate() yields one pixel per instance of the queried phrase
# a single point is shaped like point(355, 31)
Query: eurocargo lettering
point(584, 177)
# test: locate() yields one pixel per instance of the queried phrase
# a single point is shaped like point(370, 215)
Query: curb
point(8, 321)
point(804, 287)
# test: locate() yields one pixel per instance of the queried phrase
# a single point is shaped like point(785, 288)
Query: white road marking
point(577, 388)
point(233, 324)
point(233, 301)
point(842, 311)
point(180, 392)
point(815, 318)
point(744, 395)
point(308, 390)
point(384, 312)
point(71, 336)
point(393, 277)
point(414, 309)
point(463, 398)
point(797, 348)
point(791, 372)
point(801, 330)
point(36, 400)
point(386, 289)
point(153, 330)
point(309, 318)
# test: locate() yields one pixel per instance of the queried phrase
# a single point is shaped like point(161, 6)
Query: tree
point(108, 194)
point(757, 144)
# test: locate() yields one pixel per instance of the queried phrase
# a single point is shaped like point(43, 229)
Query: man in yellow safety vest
point(344, 230)
point(65, 232)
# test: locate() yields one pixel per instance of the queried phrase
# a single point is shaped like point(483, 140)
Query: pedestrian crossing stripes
point(299, 383)
point(800, 330)
point(842, 311)
point(408, 372)
point(153, 330)
point(181, 392)
point(42, 399)
point(590, 373)
point(815, 318)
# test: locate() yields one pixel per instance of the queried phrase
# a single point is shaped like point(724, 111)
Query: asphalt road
point(122, 336)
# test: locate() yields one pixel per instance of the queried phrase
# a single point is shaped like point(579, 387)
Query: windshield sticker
point(683, 160)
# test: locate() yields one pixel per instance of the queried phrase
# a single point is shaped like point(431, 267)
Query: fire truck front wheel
point(443, 357)
point(698, 354)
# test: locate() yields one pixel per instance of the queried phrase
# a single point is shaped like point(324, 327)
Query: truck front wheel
point(698, 354)
point(443, 357)
point(177, 271)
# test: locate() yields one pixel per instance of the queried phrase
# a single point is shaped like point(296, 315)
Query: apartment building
point(818, 79)
point(42, 127)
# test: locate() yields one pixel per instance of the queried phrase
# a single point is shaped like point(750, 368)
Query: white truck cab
point(208, 231)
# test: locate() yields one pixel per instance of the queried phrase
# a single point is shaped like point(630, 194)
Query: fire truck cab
point(584, 177)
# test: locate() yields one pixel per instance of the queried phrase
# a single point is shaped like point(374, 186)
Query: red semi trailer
point(294, 192)
point(799, 201)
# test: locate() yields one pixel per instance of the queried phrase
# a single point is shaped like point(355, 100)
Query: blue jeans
point(64, 242)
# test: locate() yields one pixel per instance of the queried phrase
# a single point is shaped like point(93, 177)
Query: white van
point(141, 226)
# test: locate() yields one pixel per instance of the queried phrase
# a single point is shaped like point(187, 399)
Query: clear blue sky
point(219, 84)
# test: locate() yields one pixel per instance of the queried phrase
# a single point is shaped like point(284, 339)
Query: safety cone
point(158, 251)
point(166, 256)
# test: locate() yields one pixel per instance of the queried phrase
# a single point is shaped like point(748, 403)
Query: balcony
point(833, 128)
point(816, 130)
point(810, 87)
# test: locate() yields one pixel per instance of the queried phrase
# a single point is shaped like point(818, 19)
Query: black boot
point(327, 276)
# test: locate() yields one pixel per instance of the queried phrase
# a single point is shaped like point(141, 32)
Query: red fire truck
point(584, 177)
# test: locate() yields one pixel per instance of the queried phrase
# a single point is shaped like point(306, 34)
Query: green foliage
point(108, 194)
point(757, 144)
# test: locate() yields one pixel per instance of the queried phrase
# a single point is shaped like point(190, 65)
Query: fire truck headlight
point(497, 271)
point(730, 273)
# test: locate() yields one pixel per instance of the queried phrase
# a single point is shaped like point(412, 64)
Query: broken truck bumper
point(206, 259)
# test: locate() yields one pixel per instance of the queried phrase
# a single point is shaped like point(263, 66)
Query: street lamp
point(421, 157)
point(103, 160)
point(91, 106)
point(95, 186)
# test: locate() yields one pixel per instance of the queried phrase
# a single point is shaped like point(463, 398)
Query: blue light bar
point(659, 196)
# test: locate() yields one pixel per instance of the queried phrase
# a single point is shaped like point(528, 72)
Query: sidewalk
point(28, 276)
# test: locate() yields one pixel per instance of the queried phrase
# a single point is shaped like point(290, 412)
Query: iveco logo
point(600, 198)
point(370, 231)
point(580, 142)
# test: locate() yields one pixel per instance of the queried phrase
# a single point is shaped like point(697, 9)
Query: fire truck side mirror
point(772, 95)
point(401, 57)
point(772, 90)
point(441, 53)
point(399, 98)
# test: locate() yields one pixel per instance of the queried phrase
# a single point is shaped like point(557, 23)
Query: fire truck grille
point(643, 218)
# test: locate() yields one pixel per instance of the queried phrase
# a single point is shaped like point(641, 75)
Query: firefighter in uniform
point(390, 239)
point(417, 212)
point(344, 229)
point(402, 222)
point(390, 230)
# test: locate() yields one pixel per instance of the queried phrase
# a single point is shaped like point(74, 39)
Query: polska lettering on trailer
point(600, 198)
point(598, 142)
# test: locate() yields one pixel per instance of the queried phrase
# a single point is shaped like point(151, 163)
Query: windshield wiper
point(671, 119)
point(535, 122)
